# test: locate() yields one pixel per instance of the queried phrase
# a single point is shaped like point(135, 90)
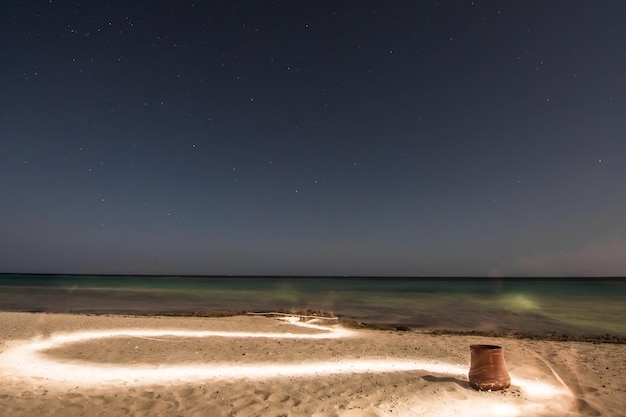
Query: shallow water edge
point(580, 309)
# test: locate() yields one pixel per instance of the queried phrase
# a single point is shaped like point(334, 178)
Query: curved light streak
point(25, 359)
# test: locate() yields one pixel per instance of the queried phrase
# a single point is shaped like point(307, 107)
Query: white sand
point(74, 365)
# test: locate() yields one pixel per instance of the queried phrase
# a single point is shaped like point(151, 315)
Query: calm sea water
point(540, 306)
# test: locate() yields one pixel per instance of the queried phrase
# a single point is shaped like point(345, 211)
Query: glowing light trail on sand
point(25, 359)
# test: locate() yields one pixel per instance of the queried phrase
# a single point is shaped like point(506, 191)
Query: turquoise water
point(541, 306)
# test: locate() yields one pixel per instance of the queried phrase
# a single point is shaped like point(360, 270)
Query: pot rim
point(485, 347)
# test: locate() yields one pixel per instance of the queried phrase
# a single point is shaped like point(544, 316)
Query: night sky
point(416, 138)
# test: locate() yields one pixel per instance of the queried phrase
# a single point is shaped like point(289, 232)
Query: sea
point(556, 307)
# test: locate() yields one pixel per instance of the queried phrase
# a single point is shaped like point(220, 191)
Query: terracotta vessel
point(488, 370)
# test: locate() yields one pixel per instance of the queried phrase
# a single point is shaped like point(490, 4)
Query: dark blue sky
point(313, 137)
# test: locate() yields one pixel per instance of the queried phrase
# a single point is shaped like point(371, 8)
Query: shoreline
point(353, 323)
point(527, 309)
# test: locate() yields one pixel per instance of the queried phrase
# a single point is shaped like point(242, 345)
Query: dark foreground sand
point(59, 365)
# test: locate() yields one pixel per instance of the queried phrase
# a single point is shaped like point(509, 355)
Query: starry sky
point(400, 138)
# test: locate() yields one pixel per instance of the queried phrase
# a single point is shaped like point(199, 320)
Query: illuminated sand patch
point(28, 360)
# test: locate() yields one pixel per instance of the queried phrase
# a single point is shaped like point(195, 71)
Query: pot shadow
point(440, 379)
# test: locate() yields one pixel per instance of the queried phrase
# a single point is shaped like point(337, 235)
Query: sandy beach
point(107, 365)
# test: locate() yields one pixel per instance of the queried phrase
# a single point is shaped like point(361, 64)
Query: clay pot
point(488, 370)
